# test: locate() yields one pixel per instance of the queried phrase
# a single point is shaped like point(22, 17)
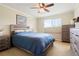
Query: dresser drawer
point(76, 50)
point(73, 50)
point(4, 42)
point(72, 39)
point(76, 42)
point(4, 47)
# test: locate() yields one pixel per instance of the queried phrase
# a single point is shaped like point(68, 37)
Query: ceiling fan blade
point(49, 5)
point(34, 7)
point(43, 4)
point(46, 10)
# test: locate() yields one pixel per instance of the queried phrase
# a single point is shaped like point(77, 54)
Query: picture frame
point(21, 20)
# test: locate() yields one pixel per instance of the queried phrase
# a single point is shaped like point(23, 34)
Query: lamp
point(29, 28)
point(75, 20)
point(1, 32)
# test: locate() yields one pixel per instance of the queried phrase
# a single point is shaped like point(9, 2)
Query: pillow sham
point(19, 31)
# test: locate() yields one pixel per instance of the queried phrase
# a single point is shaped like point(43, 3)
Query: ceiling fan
point(43, 6)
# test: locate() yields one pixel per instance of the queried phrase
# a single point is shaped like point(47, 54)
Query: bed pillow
point(19, 31)
point(28, 30)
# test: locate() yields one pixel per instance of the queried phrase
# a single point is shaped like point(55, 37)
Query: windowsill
point(52, 27)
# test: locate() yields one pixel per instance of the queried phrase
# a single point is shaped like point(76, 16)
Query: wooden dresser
point(66, 32)
point(4, 42)
point(74, 40)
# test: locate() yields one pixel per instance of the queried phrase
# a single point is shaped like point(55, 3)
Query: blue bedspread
point(32, 41)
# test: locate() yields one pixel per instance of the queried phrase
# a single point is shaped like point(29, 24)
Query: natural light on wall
point(48, 23)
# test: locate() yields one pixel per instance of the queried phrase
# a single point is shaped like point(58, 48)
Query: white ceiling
point(56, 9)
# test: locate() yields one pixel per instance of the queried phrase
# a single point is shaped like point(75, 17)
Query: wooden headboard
point(17, 27)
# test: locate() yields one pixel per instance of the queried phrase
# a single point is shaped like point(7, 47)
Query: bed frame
point(16, 27)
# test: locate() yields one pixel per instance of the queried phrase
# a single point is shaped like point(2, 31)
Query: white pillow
point(1, 34)
point(28, 30)
point(19, 30)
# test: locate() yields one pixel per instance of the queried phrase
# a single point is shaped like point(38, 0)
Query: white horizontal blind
point(52, 23)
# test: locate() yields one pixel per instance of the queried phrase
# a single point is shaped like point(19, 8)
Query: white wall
point(57, 32)
point(76, 11)
point(8, 17)
point(31, 21)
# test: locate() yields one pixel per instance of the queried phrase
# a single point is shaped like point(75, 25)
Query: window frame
point(51, 26)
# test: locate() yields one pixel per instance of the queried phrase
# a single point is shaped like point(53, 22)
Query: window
point(52, 23)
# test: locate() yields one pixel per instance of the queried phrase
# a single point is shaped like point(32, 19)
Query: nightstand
point(4, 42)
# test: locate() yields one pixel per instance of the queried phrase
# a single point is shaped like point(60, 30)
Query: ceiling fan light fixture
point(44, 6)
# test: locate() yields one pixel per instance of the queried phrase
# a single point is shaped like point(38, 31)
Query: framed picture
point(20, 20)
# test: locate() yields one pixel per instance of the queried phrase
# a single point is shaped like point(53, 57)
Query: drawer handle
point(72, 33)
point(75, 42)
point(75, 50)
point(76, 35)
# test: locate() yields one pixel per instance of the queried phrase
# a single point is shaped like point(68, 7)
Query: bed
point(36, 43)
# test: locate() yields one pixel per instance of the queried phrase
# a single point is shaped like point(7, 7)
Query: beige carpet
point(59, 49)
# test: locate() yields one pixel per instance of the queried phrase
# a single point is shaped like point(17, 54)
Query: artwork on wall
point(20, 20)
